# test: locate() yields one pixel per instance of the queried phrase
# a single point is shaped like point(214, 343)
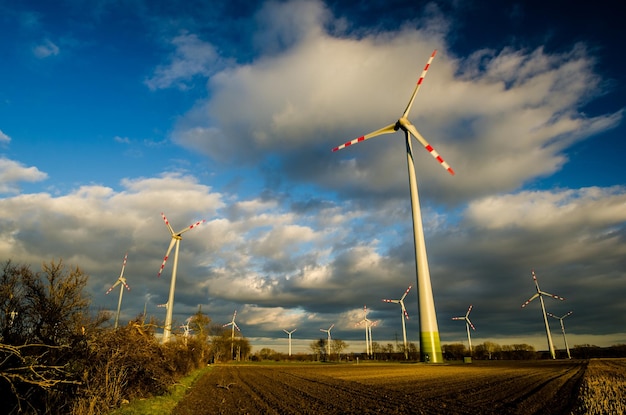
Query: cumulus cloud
point(500, 118)
point(13, 172)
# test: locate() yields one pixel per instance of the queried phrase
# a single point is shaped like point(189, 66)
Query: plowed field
point(528, 387)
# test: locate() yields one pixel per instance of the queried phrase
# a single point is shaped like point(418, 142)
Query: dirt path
point(529, 387)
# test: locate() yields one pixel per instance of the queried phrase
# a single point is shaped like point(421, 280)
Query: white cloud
point(4, 138)
point(13, 172)
point(191, 57)
point(46, 49)
point(500, 118)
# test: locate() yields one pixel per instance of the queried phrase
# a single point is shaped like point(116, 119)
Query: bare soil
point(513, 387)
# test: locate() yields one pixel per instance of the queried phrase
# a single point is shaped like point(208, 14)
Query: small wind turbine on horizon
point(328, 342)
point(232, 334)
point(169, 306)
point(569, 356)
point(540, 294)
point(430, 343)
point(121, 281)
point(403, 316)
point(289, 333)
point(468, 324)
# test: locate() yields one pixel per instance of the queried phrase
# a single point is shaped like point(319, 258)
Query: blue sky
point(113, 112)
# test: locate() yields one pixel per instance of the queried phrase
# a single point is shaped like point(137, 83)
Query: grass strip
point(160, 405)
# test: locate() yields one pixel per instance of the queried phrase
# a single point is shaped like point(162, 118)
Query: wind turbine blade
point(468, 310)
point(530, 299)
point(458, 318)
point(411, 128)
point(406, 292)
point(551, 315)
point(470, 323)
point(419, 83)
point(190, 227)
point(125, 285)
point(123, 265)
point(113, 286)
point(391, 301)
point(167, 223)
point(552, 295)
point(331, 327)
point(391, 128)
point(406, 314)
point(167, 255)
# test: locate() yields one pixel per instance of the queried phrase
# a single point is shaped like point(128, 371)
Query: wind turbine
point(368, 332)
point(430, 344)
point(289, 333)
point(468, 324)
point(403, 316)
point(232, 334)
point(328, 345)
point(121, 281)
point(169, 306)
point(186, 330)
point(540, 294)
point(569, 356)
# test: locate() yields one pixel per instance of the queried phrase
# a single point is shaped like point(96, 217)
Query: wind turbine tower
point(328, 342)
point(430, 343)
point(121, 281)
point(176, 238)
point(289, 333)
point(403, 316)
point(468, 324)
point(540, 294)
point(569, 356)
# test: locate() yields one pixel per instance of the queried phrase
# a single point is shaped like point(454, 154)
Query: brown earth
point(512, 387)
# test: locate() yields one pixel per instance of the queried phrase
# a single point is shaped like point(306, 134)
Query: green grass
point(160, 405)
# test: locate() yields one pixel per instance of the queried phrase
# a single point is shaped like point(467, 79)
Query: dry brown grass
point(603, 388)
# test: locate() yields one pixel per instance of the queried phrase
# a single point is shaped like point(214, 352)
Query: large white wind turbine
point(289, 333)
point(328, 342)
point(232, 334)
point(569, 356)
point(403, 316)
point(468, 324)
point(540, 294)
point(121, 281)
point(176, 238)
point(430, 344)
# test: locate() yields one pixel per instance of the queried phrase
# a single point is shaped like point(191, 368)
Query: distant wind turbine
point(368, 332)
point(569, 356)
point(232, 334)
point(468, 324)
point(328, 343)
point(430, 344)
point(540, 294)
point(403, 316)
point(169, 306)
point(121, 281)
point(289, 333)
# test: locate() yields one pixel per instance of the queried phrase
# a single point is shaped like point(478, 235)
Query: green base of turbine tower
point(430, 348)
